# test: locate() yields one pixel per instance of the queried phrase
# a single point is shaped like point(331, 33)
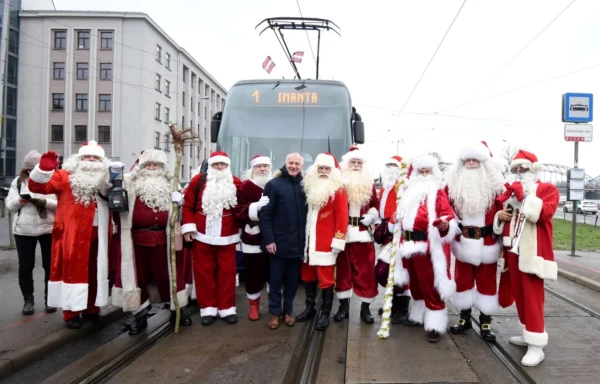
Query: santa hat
point(527, 160)
point(260, 160)
point(152, 156)
point(478, 151)
point(91, 148)
point(424, 161)
point(397, 160)
point(354, 153)
point(219, 157)
point(326, 159)
point(31, 159)
point(410, 171)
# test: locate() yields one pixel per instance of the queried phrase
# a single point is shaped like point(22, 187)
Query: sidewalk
point(583, 269)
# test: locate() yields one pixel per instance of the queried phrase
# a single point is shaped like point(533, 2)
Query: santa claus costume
point(250, 200)
point(326, 227)
point(393, 179)
point(145, 242)
point(80, 238)
point(536, 203)
point(356, 264)
point(208, 215)
point(473, 184)
point(427, 225)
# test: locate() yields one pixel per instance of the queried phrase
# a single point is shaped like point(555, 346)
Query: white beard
point(318, 190)
point(473, 191)
point(389, 178)
point(528, 180)
point(219, 193)
point(261, 181)
point(420, 187)
point(153, 187)
point(85, 179)
point(359, 186)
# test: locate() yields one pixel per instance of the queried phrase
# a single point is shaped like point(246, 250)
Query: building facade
point(113, 77)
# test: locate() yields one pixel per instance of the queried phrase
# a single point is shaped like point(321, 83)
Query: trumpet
point(516, 240)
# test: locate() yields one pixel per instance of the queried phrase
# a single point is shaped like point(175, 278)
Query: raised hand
point(49, 161)
point(517, 188)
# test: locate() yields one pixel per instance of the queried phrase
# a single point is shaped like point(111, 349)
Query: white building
point(113, 77)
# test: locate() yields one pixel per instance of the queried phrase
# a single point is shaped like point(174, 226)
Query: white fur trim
point(152, 156)
point(537, 265)
point(70, 297)
point(463, 300)
point(219, 159)
point(417, 312)
point(409, 248)
point(366, 299)
point(507, 241)
point(373, 212)
point(324, 160)
point(187, 228)
point(436, 320)
point(322, 258)
point(445, 286)
point(102, 292)
point(532, 208)
point(385, 254)
point(182, 299)
point(474, 252)
point(253, 296)
point(401, 276)
point(424, 161)
point(226, 312)
point(355, 235)
point(252, 230)
point(357, 154)
point(253, 211)
point(91, 149)
point(535, 338)
point(394, 161)
point(246, 248)
point(476, 151)
point(213, 240)
point(498, 225)
point(338, 244)
point(344, 294)
point(208, 311)
point(39, 176)
point(487, 304)
point(262, 160)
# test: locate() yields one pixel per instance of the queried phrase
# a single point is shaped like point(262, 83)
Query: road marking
point(24, 321)
point(579, 265)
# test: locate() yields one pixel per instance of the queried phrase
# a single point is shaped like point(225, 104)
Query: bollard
point(2, 207)
point(11, 237)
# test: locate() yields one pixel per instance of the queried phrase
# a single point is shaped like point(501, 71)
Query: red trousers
point(356, 271)
point(257, 273)
point(528, 290)
point(420, 271)
point(92, 280)
point(151, 266)
point(214, 274)
point(467, 276)
point(323, 273)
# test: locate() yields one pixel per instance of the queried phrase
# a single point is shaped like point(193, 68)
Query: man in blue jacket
point(283, 225)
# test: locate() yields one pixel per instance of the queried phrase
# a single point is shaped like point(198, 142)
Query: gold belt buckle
point(407, 235)
point(354, 221)
point(476, 232)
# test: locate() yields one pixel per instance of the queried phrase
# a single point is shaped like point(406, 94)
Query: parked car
point(585, 206)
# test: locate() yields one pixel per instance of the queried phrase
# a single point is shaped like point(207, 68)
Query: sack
point(382, 232)
point(178, 237)
point(505, 294)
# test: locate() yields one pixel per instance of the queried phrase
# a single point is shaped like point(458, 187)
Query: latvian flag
point(297, 57)
point(268, 64)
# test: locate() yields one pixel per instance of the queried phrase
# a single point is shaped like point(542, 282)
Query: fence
point(588, 218)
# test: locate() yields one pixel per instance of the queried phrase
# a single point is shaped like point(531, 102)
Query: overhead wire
point(307, 37)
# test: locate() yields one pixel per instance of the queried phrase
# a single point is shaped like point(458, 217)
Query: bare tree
point(507, 154)
point(443, 166)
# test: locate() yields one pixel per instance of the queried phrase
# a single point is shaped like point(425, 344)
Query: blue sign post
point(578, 107)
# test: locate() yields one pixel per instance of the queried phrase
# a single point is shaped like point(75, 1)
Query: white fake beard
point(261, 180)
point(85, 179)
point(359, 186)
point(473, 191)
point(527, 179)
point(219, 193)
point(389, 178)
point(318, 189)
point(417, 191)
point(153, 187)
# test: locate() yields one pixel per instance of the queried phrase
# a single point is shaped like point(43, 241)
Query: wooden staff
point(384, 330)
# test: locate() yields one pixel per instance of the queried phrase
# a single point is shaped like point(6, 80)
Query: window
point(60, 39)
point(205, 115)
point(80, 133)
point(193, 80)
point(81, 102)
point(157, 111)
point(167, 142)
point(185, 73)
point(57, 133)
point(158, 53)
point(104, 134)
point(192, 104)
point(106, 40)
point(182, 121)
point(157, 83)
point(58, 101)
point(105, 71)
point(197, 152)
point(83, 71)
point(183, 99)
point(105, 103)
point(11, 101)
point(13, 41)
point(59, 71)
point(12, 70)
point(157, 140)
point(198, 108)
point(167, 115)
point(83, 40)
point(167, 60)
point(167, 88)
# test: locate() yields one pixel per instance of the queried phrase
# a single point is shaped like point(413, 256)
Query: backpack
point(198, 189)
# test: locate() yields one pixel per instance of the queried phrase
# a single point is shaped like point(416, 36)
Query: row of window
point(83, 71)
point(80, 134)
point(167, 119)
point(157, 85)
point(83, 40)
point(159, 57)
point(81, 102)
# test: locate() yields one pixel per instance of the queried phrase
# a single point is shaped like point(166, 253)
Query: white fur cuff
point(532, 208)
point(253, 211)
point(338, 244)
point(436, 320)
point(187, 228)
point(344, 294)
point(498, 226)
point(39, 176)
point(536, 338)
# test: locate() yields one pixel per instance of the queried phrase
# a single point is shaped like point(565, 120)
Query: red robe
point(246, 212)
point(359, 234)
point(326, 229)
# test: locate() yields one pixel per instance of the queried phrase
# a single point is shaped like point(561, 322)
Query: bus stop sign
point(577, 107)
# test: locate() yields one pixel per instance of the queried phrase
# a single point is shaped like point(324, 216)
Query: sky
point(499, 74)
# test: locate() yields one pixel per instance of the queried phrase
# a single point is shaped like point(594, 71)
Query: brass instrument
point(516, 240)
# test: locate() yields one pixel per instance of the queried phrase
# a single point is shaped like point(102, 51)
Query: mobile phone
point(510, 209)
point(26, 196)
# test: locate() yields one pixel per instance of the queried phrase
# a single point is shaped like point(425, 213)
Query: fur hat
point(260, 160)
point(396, 160)
point(91, 148)
point(478, 151)
point(424, 161)
point(354, 153)
point(326, 159)
point(527, 160)
point(219, 157)
point(31, 159)
point(152, 156)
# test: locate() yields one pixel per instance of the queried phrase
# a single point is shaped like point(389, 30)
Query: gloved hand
point(116, 166)
point(39, 203)
point(517, 188)
point(440, 224)
point(367, 220)
point(49, 161)
point(264, 200)
point(335, 251)
point(176, 197)
point(391, 227)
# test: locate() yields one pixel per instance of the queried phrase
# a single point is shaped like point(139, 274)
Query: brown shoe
point(289, 320)
point(274, 322)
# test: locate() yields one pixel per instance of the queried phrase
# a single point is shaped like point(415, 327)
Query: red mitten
point(517, 188)
point(49, 161)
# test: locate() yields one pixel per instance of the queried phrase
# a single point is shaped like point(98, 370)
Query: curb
point(22, 357)
point(581, 280)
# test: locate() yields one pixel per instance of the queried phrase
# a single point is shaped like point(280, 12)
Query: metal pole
point(289, 55)
point(3, 54)
point(574, 215)
point(318, 51)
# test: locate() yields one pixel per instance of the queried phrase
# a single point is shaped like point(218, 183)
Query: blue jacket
point(283, 220)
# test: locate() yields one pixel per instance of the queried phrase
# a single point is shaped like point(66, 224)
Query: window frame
point(167, 88)
point(84, 102)
point(63, 40)
point(167, 115)
point(100, 134)
point(62, 133)
point(85, 71)
point(157, 82)
point(158, 53)
point(75, 133)
point(157, 111)
point(168, 60)
point(106, 74)
point(84, 39)
point(63, 69)
point(156, 140)
point(101, 102)
point(102, 39)
point(60, 99)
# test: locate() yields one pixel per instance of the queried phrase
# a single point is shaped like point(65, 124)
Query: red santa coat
point(388, 201)
point(485, 250)
point(536, 254)
point(359, 234)
point(223, 230)
point(246, 212)
point(68, 285)
point(420, 219)
point(326, 229)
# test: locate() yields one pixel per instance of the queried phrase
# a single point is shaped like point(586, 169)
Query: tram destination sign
point(578, 132)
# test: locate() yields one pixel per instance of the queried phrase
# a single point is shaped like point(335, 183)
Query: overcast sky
point(468, 91)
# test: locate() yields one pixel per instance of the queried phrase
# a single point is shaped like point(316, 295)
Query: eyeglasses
point(518, 170)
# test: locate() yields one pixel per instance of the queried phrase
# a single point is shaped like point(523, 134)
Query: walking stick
point(384, 330)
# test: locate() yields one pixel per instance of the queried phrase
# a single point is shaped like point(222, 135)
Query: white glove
point(335, 251)
point(367, 220)
point(176, 197)
point(391, 227)
point(264, 200)
point(116, 166)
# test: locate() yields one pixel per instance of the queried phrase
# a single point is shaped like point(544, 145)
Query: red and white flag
point(268, 64)
point(297, 57)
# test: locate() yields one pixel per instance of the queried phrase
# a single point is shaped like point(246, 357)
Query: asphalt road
point(587, 219)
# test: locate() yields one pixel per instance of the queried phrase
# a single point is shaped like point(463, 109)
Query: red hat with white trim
point(326, 159)
point(478, 151)
point(354, 153)
point(91, 148)
point(260, 160)
point(219, 157)
point(396, 160)
point(527, 160)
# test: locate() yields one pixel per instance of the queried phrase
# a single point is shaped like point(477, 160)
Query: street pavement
point(583, 219)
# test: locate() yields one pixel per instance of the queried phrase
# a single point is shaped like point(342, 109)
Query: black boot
point(343, 311)
point(311, 295)
point(485, 326)
point(463, 323)
point(365, 314)
point(325, 314)
point(184, 318)
point(139, 324)
point(401, 313)
point(28, 306)
point(74, 322)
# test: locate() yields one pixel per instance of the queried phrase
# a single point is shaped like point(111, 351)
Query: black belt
point(354, 221)
point(415, 236)
point(472, 232)
point(151, 229)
